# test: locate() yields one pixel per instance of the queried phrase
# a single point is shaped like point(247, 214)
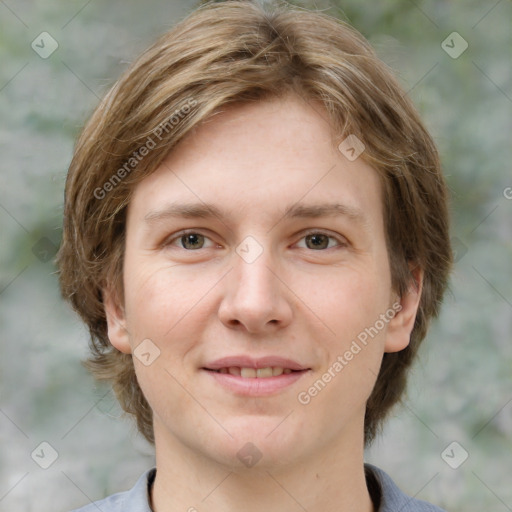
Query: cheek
point(348, 301)
point(351, 359)
point(148, 302)
point(351, 306)
point(160, 297)
point(163, 305)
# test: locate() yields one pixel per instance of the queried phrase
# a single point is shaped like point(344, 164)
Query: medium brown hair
point(229, 53)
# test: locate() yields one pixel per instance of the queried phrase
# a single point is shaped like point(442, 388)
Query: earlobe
point(116, 322)
point(401, 325)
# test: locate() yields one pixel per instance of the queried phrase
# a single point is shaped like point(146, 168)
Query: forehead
point(265, 159)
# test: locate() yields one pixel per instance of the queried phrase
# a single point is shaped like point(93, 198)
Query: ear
point(116, 321)
point(400, 326)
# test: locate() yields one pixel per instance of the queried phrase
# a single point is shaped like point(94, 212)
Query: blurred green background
point(460, 389)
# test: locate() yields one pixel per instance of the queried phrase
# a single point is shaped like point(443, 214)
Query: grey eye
point(318, 241)
point(192, 241)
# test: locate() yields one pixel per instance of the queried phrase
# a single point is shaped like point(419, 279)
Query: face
point(258, 300)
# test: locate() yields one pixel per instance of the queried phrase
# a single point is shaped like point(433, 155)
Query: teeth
point(251, 373)
point(264, 372)
point(247, 372)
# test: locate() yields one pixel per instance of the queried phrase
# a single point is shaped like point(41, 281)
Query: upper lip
point(243, 361)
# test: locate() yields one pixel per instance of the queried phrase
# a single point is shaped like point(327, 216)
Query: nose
point(256, 297)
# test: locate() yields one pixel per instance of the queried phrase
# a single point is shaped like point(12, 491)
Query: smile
point(246, 382)
point(251, 373)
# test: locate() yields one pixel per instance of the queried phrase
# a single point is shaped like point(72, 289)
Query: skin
point(295, 300)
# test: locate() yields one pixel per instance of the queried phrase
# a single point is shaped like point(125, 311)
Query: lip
point(254, 386)
point(243, 361)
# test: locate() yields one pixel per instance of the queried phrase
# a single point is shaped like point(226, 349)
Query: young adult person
point(256, 234)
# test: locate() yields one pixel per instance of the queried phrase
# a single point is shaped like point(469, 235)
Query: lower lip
point(264, 386)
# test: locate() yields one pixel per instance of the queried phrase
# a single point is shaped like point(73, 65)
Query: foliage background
point(460, 389)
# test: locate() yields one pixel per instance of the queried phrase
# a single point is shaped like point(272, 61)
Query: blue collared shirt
point(383, 491)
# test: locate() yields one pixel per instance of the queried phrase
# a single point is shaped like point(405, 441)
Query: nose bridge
point(253, 277)
point(255, 295)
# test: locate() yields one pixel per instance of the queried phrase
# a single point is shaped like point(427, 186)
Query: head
point(177, 127)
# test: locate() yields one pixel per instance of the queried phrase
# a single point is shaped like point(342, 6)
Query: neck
point(331, 481)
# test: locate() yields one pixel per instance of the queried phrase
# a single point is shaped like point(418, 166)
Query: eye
point(188, 240)
point(193, 240)
point(317, 240)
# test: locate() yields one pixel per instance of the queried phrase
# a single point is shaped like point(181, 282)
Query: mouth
point(245, 376)
point(254, 373)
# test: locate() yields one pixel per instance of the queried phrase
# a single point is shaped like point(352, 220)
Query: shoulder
point(114, 503)
point(391, 497)
point(134, 500)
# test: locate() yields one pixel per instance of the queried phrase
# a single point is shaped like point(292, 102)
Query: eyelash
point(179, 235)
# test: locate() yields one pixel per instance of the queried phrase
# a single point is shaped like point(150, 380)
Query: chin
point(258, 442)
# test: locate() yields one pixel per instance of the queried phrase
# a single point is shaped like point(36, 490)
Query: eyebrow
point(294, 211)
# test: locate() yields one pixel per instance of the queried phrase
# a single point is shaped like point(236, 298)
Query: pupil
point(191, 239)
point(317, 240)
